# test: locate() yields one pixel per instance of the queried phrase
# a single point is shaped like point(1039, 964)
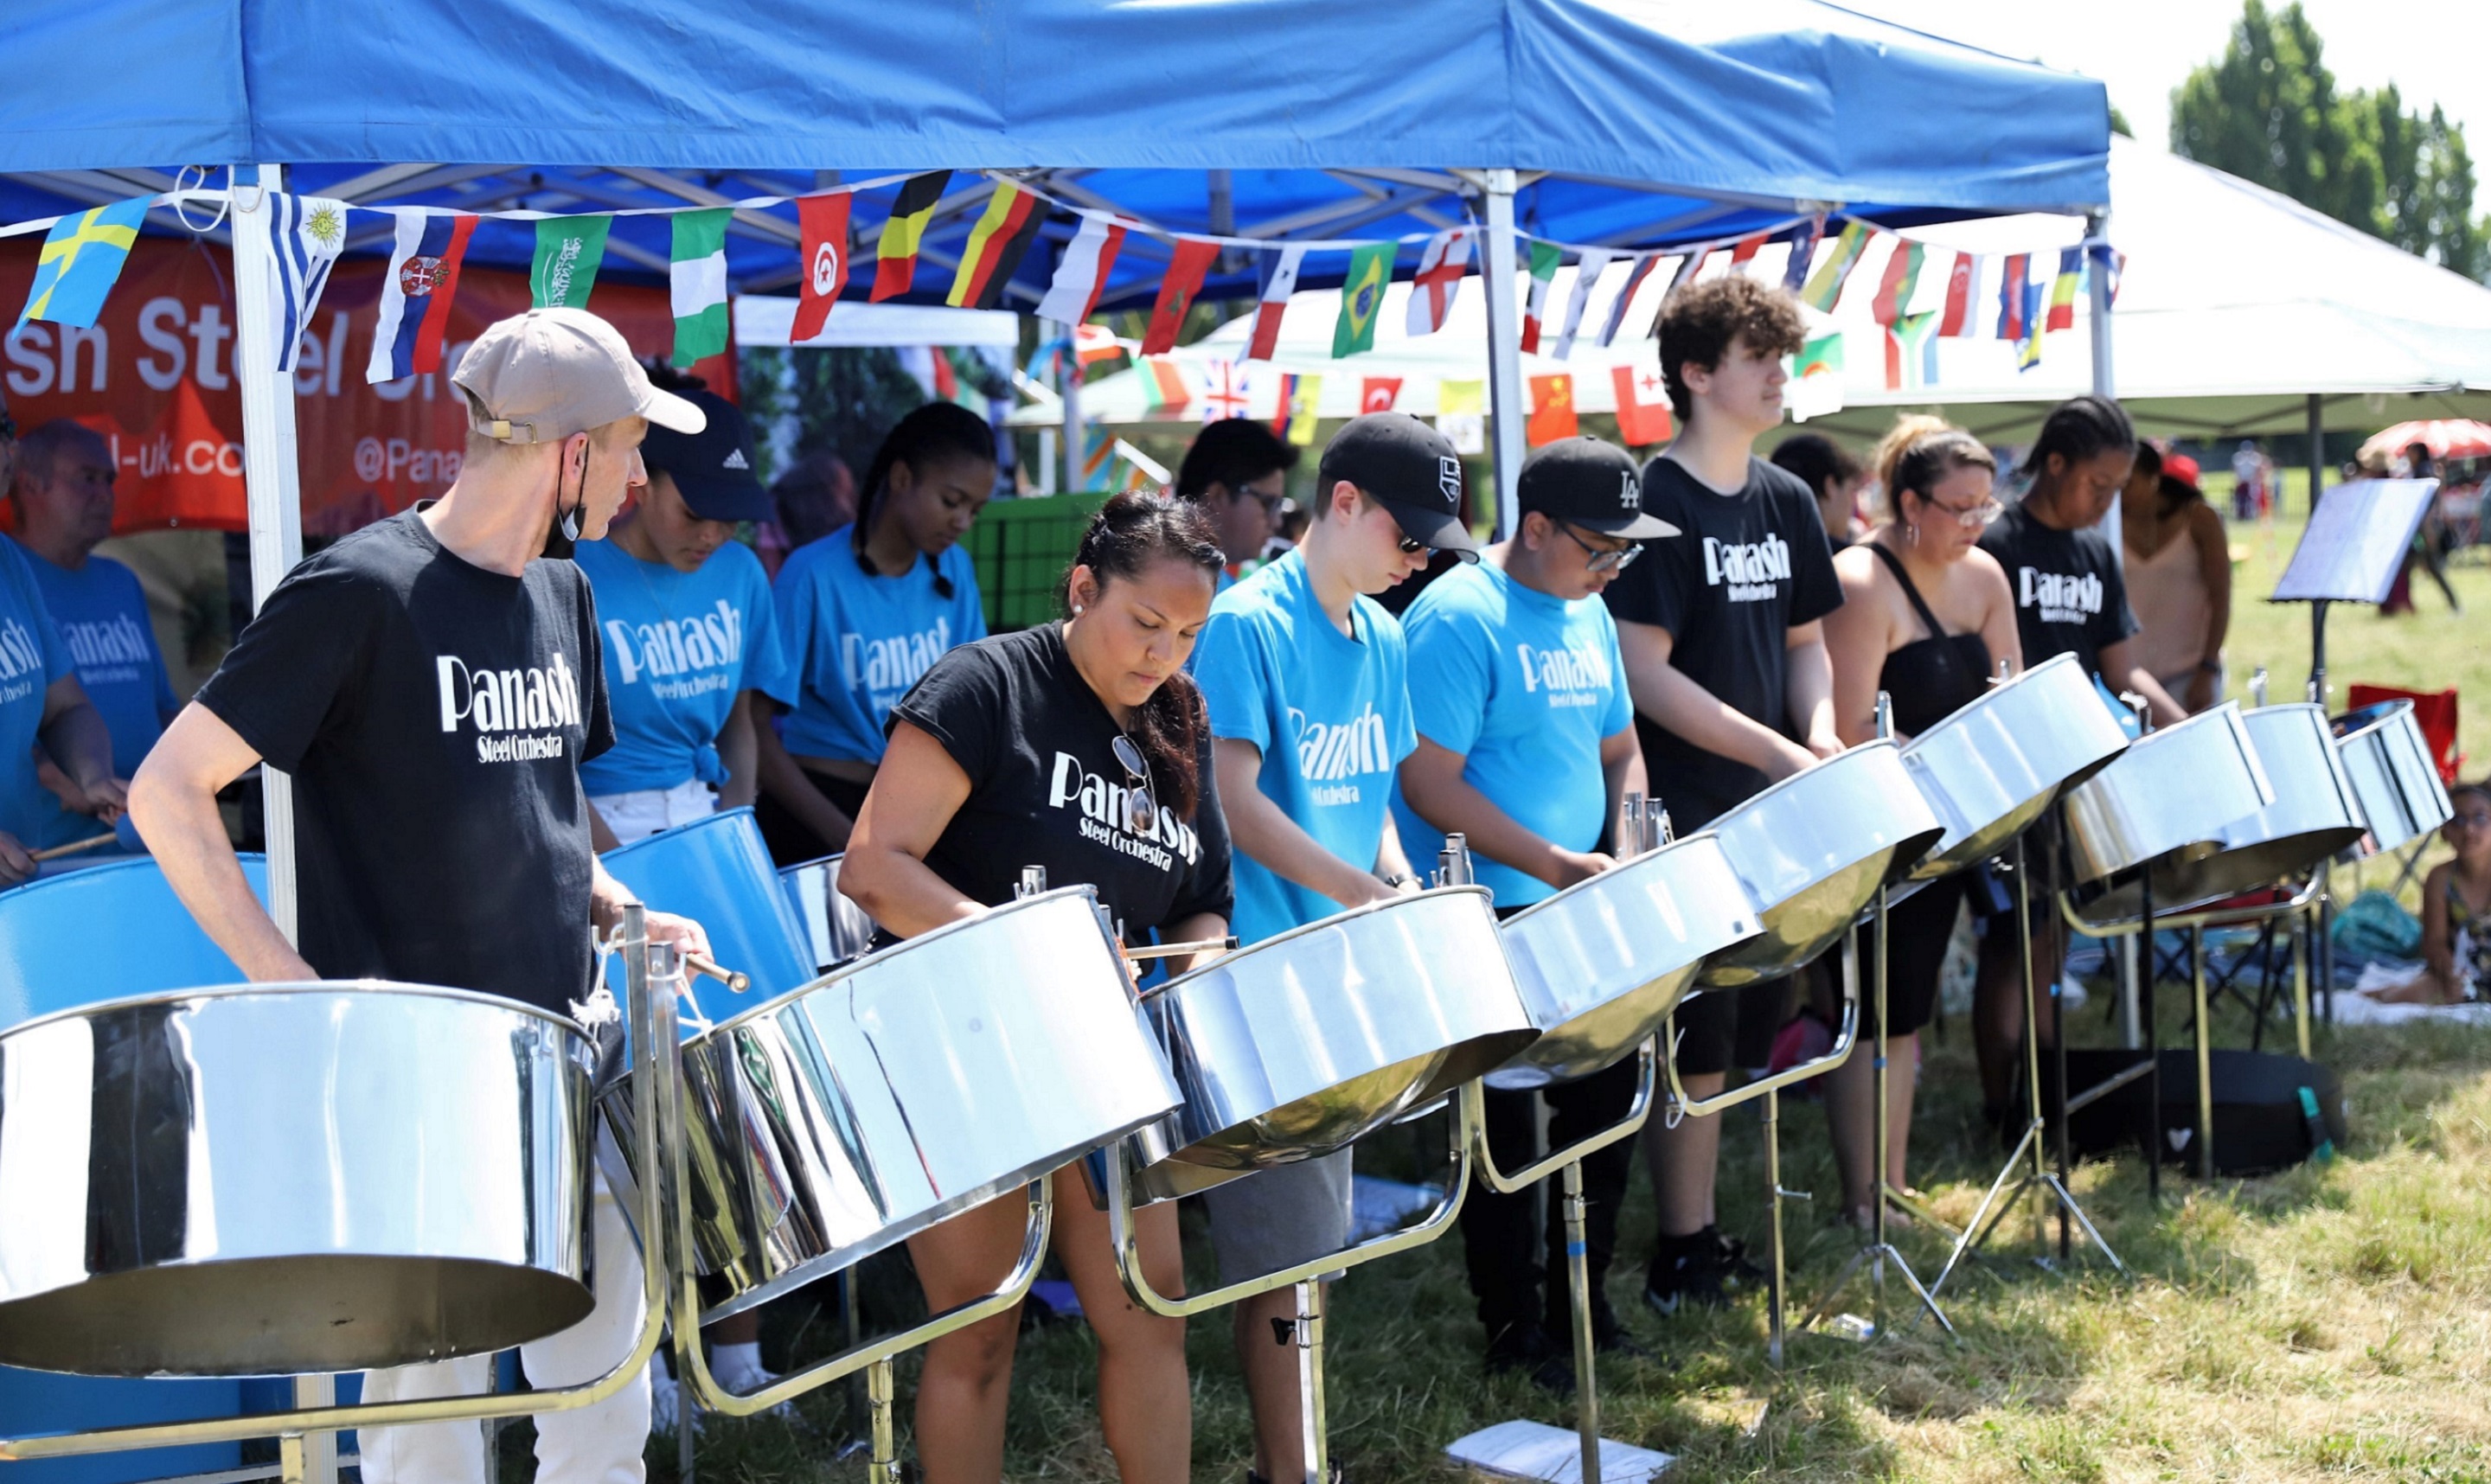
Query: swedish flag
point(1361, 294)
point(80, 262)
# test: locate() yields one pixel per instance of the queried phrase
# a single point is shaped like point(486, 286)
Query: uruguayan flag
point(307, 234)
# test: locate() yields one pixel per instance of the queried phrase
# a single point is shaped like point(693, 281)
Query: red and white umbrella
point(2445, 437)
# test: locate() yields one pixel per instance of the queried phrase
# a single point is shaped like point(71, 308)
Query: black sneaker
point(1611, 1339)
point(1527, 1350)
point(1730, 1259)
point(1684, 1270)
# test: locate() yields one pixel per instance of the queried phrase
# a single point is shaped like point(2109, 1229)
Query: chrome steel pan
point(1995, 764)
point(289, 1178)
point(1298, 1045)
point(1811, 851)
point(2166, 801)
point(2390, 764)
point(837, 927)
point(1603, 962)
point(903, 1088)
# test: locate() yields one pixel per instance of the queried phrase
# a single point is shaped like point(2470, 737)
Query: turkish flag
point(823, 221)
point(1643, 406)
point(1378, 393)
point(1552, 410)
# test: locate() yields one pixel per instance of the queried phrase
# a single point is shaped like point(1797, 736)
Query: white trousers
point(643, 812)
point(600, 1444)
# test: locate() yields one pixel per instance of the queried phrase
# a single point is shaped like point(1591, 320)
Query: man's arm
point(1666, 694)
point(73, 733)
point(787, 783)
point(2215, 567)
point(740, 750)
point(1621, 768)
point(1808, 687)
point(173, 801)
point(1432, 781)
point(1258, 829)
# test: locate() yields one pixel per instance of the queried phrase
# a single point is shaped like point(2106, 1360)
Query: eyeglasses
point(1141, 800)
point(1603, 559)
point(1410, 546)
point(1972, 517)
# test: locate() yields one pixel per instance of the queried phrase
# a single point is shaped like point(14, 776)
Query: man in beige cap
point(432, 682)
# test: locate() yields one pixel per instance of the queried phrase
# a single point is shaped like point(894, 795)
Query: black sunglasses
point(1141, 800)
point(1603, 559)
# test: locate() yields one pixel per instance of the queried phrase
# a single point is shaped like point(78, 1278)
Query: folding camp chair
point(2435, 712)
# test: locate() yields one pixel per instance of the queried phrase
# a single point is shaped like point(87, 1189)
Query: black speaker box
point(2263, 1123)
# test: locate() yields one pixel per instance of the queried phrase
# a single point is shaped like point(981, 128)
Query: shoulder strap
point(1919, 605)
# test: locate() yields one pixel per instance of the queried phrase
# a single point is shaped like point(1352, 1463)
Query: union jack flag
point(1227, 396)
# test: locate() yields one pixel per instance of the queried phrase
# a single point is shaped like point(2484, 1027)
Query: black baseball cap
point(1408, 468)
point(1586, 482)
point(713, 468)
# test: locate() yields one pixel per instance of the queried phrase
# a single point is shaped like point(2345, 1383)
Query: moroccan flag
point(1544, 257)
point(1164, 389)
point(1081, 273)
point(1963, 297)
point(696, 272)
point(1643, 406)
point(2063, 289)
point(1362, 298)
point(1643, 268)
point(1442, 268)
point(1902, 278)
point(823, 223)
point(1552, 410)
point(1378, 393)
point(569, 250)
point(1306, 397)
point(1272, 301)
point(79, 262)
point(1588, 269)
point(996, 246)
point(1193, 259)
point(894, 269)
point(1824, 285)
point(2010, 296)
point(416, 293)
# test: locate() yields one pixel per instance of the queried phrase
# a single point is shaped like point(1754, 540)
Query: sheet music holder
point(2355, 543)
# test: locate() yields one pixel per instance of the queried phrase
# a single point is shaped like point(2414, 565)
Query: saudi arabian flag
point(1362, 296)
point(569, 250)
point(696, 268)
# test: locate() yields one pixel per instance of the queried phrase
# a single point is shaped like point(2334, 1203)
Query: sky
point(2433, 50)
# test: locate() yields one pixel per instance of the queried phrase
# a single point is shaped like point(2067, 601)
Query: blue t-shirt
point(101, 614)
point(1525, 687)
point(856, 642)
point(679, 648)
point(32, 657)
point(1331, 713)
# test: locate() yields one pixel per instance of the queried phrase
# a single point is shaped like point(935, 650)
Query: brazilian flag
point(1361, 294)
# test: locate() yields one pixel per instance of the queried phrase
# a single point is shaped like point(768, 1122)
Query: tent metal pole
point(2105, 381)
point(2317, 450)
point(1068, 387)
point(1507, 407)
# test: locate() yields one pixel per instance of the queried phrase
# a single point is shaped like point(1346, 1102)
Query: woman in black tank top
point(1926, 618)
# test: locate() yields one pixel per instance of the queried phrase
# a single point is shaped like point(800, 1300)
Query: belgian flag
point(896, 257)
point(996, 247)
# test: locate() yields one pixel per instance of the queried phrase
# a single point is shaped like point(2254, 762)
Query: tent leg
point(2098, 245)
point(1068, 387)
point(1507, 407)
point(2317, 450)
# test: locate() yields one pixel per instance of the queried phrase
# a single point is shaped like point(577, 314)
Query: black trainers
point(1527, 1350)
point(1686, 1270)
point(1729, 1259)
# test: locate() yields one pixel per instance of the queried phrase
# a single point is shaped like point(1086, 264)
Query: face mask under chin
point(562, 537)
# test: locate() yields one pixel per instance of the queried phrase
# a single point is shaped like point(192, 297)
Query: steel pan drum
point(104, 933)
point(2388, 762)
point(1294, 1047)
point(837, 927)
point(1811, 851)
point(718, 872)
point(1995, 764)
point(2166, 801)
point(901, 1089)
point(1602, 963)
point(290, 1177)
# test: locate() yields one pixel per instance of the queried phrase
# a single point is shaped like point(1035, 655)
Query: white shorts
point(643, 812)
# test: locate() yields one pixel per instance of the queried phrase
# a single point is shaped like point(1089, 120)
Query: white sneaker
point(745, 1380)
point(664, 1399)
point(2071, 995)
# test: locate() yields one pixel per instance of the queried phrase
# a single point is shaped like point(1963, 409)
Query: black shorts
point(1922, 924)
point(790, 841)
point(1724, 1028)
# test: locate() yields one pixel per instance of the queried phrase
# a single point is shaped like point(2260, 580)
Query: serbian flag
point(1552, 410)
point(2010, 296)
point(1442, 267)
point(1185, 271)
point(823, 223)
point(1279, 281)
point(1643, 406)
point(1081, 273)
point(415, 295)
point(997, 244)
point(2063, 289)
point(1378, 393)
point(895, 268)
point(1544, 257)
point(1963, 292)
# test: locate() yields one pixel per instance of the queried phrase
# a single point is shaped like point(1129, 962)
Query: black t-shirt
point(1046, 788)
point(435, 716)
point(1744, 569)
point(2069, 597)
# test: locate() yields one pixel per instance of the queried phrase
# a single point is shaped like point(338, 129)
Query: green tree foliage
point(2267, 110)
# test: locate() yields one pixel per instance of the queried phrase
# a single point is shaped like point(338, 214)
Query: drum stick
point(1179, 949)
point(739, 982)
point(75, 847)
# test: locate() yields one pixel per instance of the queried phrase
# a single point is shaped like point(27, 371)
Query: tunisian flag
point(156, 377)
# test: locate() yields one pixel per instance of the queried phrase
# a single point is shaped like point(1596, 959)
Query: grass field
point(2328, 1324)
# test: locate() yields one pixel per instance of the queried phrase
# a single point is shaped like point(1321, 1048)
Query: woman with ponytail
point(1082, 747)
point(863, 612)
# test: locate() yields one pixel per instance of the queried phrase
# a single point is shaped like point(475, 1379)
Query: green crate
point(1021, 548)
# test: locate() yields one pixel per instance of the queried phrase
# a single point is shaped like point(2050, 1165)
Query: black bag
point(2272, 1111)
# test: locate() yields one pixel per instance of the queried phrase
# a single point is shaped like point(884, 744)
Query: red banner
point(156, 376)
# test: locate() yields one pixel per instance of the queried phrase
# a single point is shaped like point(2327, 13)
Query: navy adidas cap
point(713, 468)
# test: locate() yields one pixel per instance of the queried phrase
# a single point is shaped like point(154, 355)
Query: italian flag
point(697, 271)
point(1543, 272)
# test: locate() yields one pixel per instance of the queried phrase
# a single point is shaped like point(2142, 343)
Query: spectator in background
point(62, 495)
point(814, 497)
point(2248, 468)
point(1834, 476)
point(2178, 576)
point(1238, 470)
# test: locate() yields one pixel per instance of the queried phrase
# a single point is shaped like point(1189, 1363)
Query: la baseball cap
point(1408, 468)
point(713, 468)
point(1588, 483)
point(541, 376)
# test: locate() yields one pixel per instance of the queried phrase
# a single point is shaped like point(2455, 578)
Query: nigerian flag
point(697, 270)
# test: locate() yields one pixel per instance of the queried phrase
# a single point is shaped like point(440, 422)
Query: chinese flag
point(1552, 410)
point(1643, 406)
point(1378, 393)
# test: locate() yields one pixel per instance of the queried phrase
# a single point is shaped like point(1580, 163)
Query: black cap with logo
point(1408, 468)
point(1586, 482)
point(712, 468)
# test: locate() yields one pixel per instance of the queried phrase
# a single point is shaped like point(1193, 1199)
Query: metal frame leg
point(879, 1392)
point(1312, 1439)
point(2205, 1055)
point(1578, 1287)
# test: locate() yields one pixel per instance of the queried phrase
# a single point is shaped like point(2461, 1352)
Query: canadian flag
point(1378, 393)
point(1643, 406)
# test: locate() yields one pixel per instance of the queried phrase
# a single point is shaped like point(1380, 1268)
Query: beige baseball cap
point(541, 376)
